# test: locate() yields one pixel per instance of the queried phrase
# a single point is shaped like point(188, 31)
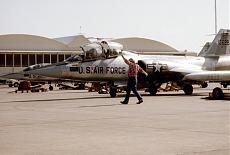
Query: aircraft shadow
point(73, 92)
point(101, 96)
point(209, 98)
point(83, 98)
point(62, 99)
point(194, 94)
point(103, 105)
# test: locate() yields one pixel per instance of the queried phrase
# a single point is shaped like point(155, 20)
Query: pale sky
point(182, 24)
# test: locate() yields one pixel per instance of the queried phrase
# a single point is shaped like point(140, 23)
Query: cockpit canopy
point(101, 50)
point(74, 58)
point(97, 50)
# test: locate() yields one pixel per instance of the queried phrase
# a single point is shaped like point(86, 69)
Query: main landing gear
point(153, 88)
point(188, 89)
point(217, 94)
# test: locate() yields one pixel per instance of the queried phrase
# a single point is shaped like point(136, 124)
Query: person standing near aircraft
point(132, 80)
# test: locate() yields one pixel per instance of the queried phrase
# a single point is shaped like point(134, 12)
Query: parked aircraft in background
point(38, 79)
point(217, 57)
point(34, 79)
point(101, 61)
point(13, 62)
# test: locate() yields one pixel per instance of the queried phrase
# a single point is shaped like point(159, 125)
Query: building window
point(31, 59)
point(46, 58)
point(17, 60)
point(53, 58)
point(60, 57)
point(2, 60)
point(39, 58)
point(25, 60)
point(9, 60)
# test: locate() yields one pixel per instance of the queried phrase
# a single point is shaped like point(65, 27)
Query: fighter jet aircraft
point(101, 61)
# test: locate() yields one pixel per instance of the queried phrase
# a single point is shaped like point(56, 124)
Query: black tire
point(217, 94)
point(16, 84)
point(113, 92)
point(51, 88)
point(152, 91)
point(188, 89)
point(225, 85)
point(10, 85)
point(81, 86)
point(204, 85)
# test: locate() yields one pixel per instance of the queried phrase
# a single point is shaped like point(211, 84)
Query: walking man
point(132, 80)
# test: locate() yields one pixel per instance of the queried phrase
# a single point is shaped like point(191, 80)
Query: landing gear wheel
point(217, 94)
point(188, 89)
point(113, 91)
point(204, 85)
point(152, 91)
point(225, 85)
point(81, 86)
point(16, 84)
point(51, 88)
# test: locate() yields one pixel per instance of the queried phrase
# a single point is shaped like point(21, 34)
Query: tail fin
point(219, 46)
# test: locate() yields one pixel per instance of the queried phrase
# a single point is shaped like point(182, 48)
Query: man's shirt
point(133, 69)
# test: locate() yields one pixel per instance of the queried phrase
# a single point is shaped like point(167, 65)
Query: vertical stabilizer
point(219, 46)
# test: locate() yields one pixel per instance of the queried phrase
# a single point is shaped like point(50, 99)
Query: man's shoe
point(140, 101)
point(123, 102)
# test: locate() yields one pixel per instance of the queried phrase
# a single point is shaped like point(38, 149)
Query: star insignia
point(157, 67)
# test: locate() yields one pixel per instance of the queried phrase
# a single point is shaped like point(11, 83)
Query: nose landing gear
point(113, 91)
point(51, 88)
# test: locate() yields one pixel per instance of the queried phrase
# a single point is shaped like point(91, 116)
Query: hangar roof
point(144, 45)
point(24, 42)
point(31, 42)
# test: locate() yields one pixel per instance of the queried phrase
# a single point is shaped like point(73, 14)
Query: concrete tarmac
point(77, 122)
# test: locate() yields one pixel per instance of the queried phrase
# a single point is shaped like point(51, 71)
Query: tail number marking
point(223, 42)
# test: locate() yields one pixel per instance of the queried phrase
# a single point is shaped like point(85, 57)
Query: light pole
point(215, 19)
